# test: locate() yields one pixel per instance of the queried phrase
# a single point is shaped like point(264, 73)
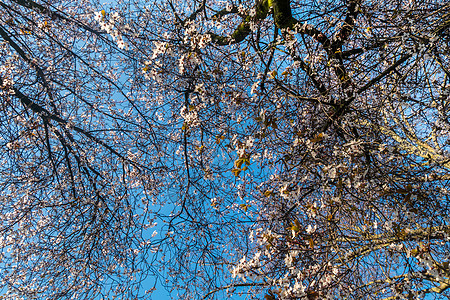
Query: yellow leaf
point(236, 172)
point(311, 243)
point(200, 148)
point(318, 138)
point(245, 207)
point(344, 77)
point(103, 13)
point(268, 193)
point(239, 163)
point(45, 25)
point(219, 138)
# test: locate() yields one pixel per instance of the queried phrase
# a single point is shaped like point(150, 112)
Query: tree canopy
point(277, 149)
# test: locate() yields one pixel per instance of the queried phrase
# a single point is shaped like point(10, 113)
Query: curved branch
point(243, 29)
point(379, 241)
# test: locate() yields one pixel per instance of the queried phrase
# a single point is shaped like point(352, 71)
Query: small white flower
point(98, 16)
point(311, 229)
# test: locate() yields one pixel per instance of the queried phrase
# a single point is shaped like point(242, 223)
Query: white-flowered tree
point(284, 149)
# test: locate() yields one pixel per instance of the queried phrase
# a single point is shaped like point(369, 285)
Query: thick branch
point(282, 13)
point(379, 241)
point(243, 29)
